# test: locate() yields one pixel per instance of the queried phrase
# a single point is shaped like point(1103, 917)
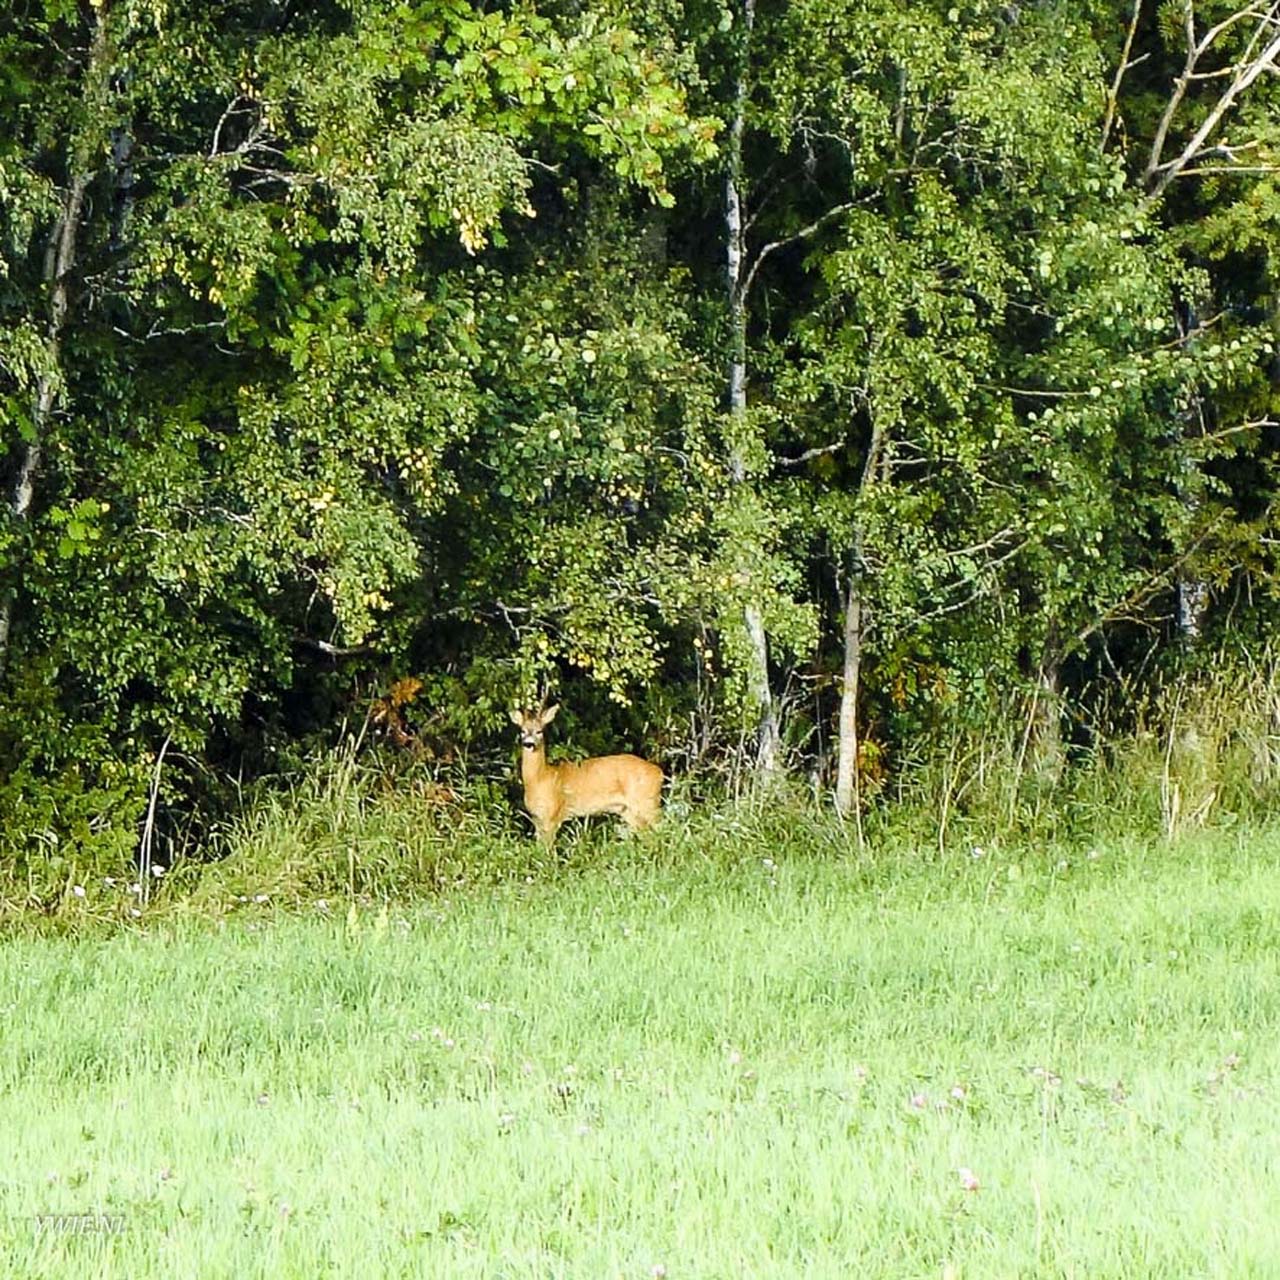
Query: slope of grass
point(706, 1056)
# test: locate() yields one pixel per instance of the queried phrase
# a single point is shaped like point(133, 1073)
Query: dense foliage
point(381, 353)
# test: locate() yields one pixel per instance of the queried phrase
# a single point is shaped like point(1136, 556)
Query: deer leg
point(639, 819)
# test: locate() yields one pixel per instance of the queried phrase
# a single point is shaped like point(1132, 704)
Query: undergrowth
point(1198, 753)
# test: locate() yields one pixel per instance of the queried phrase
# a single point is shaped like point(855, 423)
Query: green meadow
point(709, 1054)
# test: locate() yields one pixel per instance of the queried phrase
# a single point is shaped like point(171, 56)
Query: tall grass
point(1201, 751)
point(716, 1053)
point(1171, 756)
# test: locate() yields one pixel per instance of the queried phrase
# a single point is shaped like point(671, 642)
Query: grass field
point(680, 1059)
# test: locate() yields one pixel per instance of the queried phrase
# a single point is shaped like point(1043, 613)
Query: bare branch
point(333, 650)
point(809, 454)
point(1042, 393)
point(233, 109)
point(1113, 96)
point(1147, 589)
point(1255, 424)
point(234, 517)
point(1175, 101)
point(771, 189)
point(987, 544)
point(1260, 55)
point(803, 234)
point(157, 330)
point(1219, 170)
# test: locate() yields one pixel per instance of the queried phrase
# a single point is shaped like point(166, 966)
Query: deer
point(623, 784)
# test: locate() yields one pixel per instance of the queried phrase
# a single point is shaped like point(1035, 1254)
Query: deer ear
point(516, 718)
point(550, 713)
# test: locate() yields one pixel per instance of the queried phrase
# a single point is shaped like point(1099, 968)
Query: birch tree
point(1216, 124)
point(987, 324)
point(33, 361)
point(737, 288)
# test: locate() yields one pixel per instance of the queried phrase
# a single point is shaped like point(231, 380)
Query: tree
point(261, 317)
point(981, 380)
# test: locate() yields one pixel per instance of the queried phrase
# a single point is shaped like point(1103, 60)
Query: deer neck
point(533, 764)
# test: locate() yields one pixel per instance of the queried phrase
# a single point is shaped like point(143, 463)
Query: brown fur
point(553, 793)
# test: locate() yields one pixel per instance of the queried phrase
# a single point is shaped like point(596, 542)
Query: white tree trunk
point(1191, 594)
point(768, 736)
point(875, 470)
point(60, 257)
point(847, 790)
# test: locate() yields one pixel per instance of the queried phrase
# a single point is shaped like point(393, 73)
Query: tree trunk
point(768, 736)
point(59, 261)
point(1191, 594)
point(1044, 721)
point(875, 470)
point(847, 790)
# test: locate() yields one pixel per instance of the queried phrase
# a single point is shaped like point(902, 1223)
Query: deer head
point(532, 725)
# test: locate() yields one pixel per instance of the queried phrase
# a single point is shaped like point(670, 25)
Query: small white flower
point(977, 852)
point(968, 1179)
point(78, 890)
point(157, 870)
